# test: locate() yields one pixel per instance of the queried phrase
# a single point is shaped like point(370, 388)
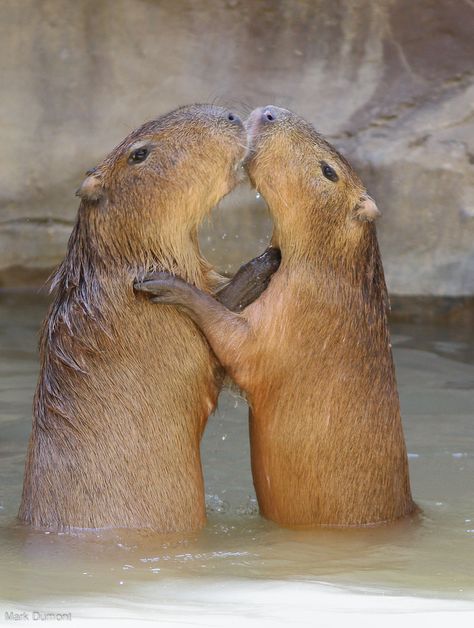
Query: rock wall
point(389, 81)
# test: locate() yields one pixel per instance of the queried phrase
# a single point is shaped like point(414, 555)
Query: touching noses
point(263, 116)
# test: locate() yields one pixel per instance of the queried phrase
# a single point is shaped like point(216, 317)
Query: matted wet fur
point(125, 388)
point(313, 353)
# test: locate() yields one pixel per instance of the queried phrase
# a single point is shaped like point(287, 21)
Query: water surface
point(241, 565)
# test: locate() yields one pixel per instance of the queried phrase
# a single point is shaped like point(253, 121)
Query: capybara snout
point(267, 115)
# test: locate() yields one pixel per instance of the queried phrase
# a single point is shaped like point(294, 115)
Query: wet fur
point(125, 389)
point(326, 433)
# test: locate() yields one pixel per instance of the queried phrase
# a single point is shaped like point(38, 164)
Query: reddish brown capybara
point(125, 388)
point(313, 352)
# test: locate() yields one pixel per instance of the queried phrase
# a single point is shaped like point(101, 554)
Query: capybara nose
point(270, 113)
point(232, 117)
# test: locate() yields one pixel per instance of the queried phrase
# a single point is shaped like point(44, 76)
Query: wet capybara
point(125, 388)
point(313, 352)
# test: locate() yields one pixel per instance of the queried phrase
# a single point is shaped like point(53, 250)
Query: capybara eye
point(138, 155)
point(231, 117)
point(269, 116)
point(329, 172)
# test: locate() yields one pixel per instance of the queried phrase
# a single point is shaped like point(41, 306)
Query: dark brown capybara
point(125, 388)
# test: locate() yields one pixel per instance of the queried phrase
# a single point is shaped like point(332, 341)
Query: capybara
point(125, 388)
point(313, 352)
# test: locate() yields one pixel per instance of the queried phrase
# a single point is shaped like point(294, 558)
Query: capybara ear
point(366, 209)
point(91, 188)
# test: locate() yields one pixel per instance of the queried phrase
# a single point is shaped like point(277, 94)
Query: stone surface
point(389, 81)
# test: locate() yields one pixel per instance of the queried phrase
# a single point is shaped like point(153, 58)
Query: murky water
point(241, 565)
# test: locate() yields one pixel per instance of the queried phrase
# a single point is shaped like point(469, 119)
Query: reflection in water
point(430, 554)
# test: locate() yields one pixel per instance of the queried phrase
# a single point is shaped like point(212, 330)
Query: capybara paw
point(166, 297)
point(265, 265)
point(156, 275)
point(270, 259)
point(163, 288)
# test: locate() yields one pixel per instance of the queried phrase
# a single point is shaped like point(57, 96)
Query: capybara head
point(304, 179)
point(163, 178)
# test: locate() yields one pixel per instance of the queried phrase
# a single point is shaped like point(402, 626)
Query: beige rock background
point(389, 81)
